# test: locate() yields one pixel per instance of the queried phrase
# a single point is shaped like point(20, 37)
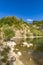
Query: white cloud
point(29, 20)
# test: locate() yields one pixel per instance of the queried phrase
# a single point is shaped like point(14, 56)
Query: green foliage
point(38, 23)
point(4, 53)
point(8, 20)
point(8, 33)
point(35, 31)
point(37, 41)
point(20, 24)
point(38, 44)
point(39, 48)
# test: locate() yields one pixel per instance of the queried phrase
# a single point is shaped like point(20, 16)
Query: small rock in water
point(30, 59)
point(25, 43)
point(19, 53)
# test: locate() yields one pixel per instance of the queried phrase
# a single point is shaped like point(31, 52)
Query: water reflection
point(32, 55)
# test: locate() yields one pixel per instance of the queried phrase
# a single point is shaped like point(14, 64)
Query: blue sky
point(27, 9)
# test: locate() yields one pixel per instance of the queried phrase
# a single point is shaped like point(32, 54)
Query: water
point(32, 55)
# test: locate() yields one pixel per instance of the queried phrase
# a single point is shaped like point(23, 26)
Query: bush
point(8, 33)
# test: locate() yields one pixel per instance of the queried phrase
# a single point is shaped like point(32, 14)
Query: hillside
point(17, 41)
point(11, 27)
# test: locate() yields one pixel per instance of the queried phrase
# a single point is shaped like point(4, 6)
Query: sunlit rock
point(19, 53)
point(11, 43)
point(26, 44)
point(16, 49)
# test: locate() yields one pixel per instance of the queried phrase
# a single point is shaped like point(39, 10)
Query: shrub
point(8, 33)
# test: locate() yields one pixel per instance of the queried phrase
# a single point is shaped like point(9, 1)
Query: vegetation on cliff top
point(9, 26)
